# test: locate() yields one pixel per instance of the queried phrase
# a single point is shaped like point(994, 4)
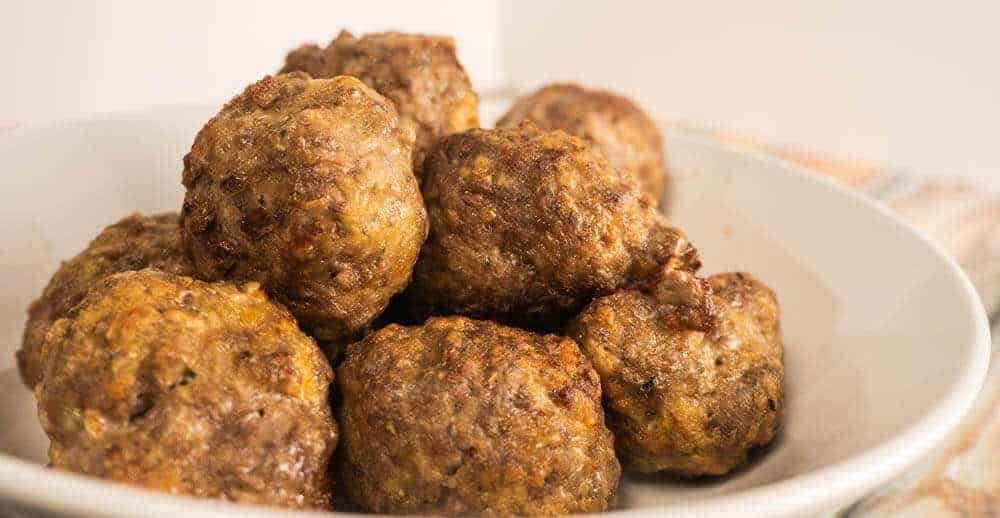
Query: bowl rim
point(34, 485)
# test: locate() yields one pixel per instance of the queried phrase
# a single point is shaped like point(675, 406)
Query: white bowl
point(886, 343)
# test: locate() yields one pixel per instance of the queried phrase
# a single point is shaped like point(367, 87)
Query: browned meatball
point(187, 387)
point(692, 371)
point(305, 185)
point(420, 73)
point(133, 243)
point(613, 124)
point(529, 225)
point(460, 417)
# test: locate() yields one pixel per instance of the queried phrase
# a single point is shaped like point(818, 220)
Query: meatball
point(133, 243)
point(187, 387)
point(419, 73)
point(527, 226)
point(691, 370)
point(613, 124)
point(305, 186)
point(460, 417)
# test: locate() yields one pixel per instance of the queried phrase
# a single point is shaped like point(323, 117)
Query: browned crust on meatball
point(187, 387)
point(613, 124)
point(529, 225)
point(305, 186)
point(460, 417)
point(421, 74)
point(692, 372)
point(134, 243)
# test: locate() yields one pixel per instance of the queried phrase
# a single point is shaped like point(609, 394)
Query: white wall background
point(914, 84)
point(72, 58)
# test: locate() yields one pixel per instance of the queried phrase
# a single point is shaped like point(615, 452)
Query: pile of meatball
point(368, 300)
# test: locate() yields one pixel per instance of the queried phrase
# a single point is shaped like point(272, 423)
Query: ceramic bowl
point(886, 343)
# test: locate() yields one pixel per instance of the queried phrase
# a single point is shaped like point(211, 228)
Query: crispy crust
point(421, 74)
point(528, 226)
point(692, 371)
point(613, 124)
point(460, 417)
point(305, 186)
point(134, 243)
point(187, 387)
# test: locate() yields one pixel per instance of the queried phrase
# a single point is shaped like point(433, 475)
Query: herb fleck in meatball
point(530, 225)
point(419, 73)
point(187, 387)
point(305, 186)
point(460, 417)
point(133, 243)
point(613, 124)
point(691, 370)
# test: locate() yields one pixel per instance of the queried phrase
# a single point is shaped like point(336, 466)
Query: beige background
point(911, 84)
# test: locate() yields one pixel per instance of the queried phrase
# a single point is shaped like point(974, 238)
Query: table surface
point(962, 477)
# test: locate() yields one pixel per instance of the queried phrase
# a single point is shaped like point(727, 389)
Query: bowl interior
point(882, 334)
